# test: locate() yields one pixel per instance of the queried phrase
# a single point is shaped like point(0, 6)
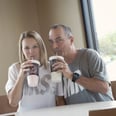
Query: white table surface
point(69, 110)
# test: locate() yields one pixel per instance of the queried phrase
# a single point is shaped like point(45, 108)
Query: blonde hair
point(43, 52)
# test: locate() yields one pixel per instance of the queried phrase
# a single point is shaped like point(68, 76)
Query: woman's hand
point(24, 68)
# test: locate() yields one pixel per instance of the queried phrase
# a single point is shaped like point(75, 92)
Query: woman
point(31, 46)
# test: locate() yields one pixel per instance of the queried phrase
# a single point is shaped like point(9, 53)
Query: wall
point(17, 16)
point(61, 11)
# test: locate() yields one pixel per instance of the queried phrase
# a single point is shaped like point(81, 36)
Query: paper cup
point(55, 75)
point(33, 74)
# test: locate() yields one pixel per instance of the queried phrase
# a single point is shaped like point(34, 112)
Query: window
point(105, 20)
point(100, 17)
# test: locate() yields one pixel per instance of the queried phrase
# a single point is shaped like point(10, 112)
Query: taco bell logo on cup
point(33, 74)
point(55, 75)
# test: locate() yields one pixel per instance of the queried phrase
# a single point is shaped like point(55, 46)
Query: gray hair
point(67, 30)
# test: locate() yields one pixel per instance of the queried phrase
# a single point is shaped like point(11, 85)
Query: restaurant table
point(69, 110)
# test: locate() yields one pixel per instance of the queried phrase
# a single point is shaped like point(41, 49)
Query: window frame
point(89, 25)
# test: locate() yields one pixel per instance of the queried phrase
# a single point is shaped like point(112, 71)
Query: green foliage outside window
point(107, 46)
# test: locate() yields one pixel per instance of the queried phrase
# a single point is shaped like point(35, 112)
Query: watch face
point(75, 76)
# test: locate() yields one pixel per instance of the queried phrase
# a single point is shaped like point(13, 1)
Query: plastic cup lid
point(36, 61)
point(55, 57)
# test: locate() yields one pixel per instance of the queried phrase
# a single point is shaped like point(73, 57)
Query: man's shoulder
point(88, 51)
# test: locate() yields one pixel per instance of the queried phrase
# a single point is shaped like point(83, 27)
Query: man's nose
point(54, 45)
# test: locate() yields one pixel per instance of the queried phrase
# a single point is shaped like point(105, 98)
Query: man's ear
point(72, 39)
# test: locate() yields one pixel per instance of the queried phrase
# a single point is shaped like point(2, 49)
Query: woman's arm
point(60, 101)
point(15, 94)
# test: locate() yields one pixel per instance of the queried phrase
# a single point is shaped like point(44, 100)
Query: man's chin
point(59, 53)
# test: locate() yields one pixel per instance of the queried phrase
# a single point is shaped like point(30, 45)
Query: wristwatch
point(76, 75)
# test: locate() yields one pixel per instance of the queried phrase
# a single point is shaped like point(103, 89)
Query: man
point(85, 77)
